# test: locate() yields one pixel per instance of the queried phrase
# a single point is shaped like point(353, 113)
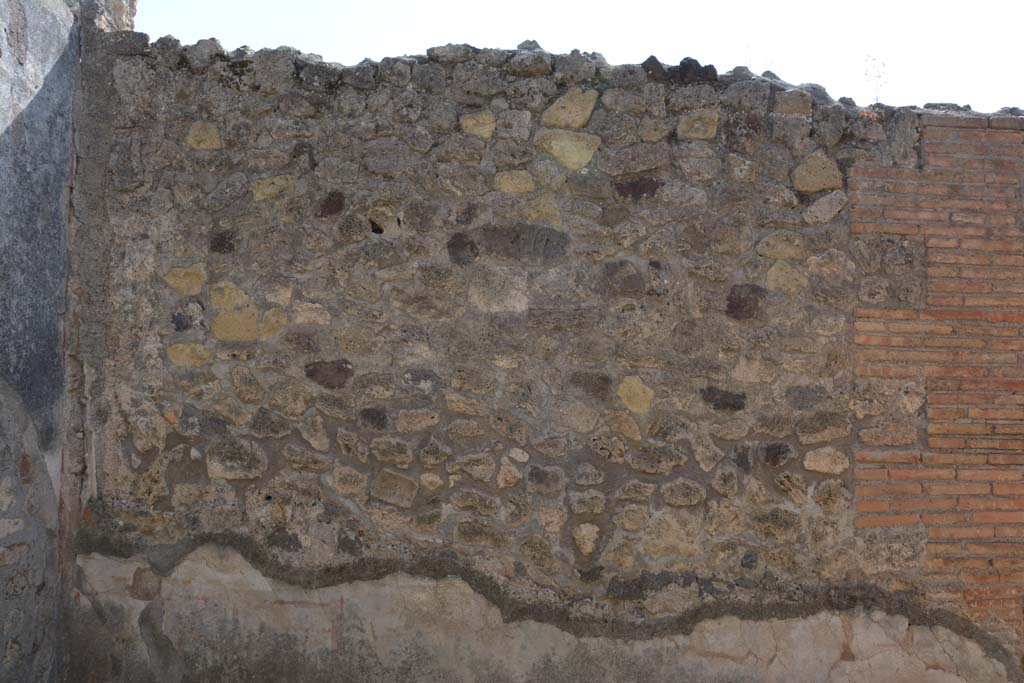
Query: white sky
point(896, 51)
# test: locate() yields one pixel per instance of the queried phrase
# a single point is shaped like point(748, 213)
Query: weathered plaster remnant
point(407, 628)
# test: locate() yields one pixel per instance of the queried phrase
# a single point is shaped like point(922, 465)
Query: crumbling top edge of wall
point(577, 67)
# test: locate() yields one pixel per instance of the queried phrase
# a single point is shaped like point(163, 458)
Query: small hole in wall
point(376, 229)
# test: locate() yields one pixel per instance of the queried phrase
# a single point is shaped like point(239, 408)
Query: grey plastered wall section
point(39, 58)
point(38, 67)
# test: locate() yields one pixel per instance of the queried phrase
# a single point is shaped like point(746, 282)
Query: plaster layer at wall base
point(216, 617)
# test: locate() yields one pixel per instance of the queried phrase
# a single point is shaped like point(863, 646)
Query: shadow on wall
point(38, 66)
point(35, 165)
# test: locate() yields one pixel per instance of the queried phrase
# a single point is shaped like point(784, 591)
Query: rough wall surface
point(527, 343)
point(38, 57)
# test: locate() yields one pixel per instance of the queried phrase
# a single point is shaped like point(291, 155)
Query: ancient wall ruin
point(503, 365)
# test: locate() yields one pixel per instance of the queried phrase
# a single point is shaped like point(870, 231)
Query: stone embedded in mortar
point(392, 451)
point(571, 110)
point(683, 492)
point(247, 386)
point(235, 459)
point(827, 459)
point(508, 474)
point(331, 205)
point(266, 423)
point(313, 431)
point(586, 535)
point(794, 486)
point(792, 102)
point(203, 135)
point(635, 395)
point(635, 189)
point(774, 454)
point(545, 481)
point(701, 124)
point(462, 250)
point(345, 481)
point(816, 173)
point(720, 399)
point(726, 481)
point(228, 295)
point(514, 182)
point(783, 244)
point(478, 466)
point(189, 355)
point(240, 325)
point(273, 323)
point(475, 532)
point(822, 427)
point(597, 385)
point(188, 281)
point(475, 502)
point(394, 488)
point(825, 208)
point(374, 417)
point(333, 374)
point(273, 187)
point(525, 242)
point(783, 277)
point(481, 124)
point(745, 301)
point(416, 420)
point(572, 150)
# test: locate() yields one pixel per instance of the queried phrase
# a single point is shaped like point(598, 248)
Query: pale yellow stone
point(785, 278)
point(514, 182)
point(188, 281)
point(416, 419)
point(701, 124)
point(572, 150)
point(275, 186)
point(189, 355)
point(239, 325)
point(519, 455)
point(227, 295)
point(828, 460)
point(508, 474)
point(817, 172)
point(480, 124)
point(571, 110)
point(585, 536)
point(203, 135)
point(552, 519)
point(636, 395)
point(274, 322)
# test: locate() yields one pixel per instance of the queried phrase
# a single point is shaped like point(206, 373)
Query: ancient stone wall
point(485, 364)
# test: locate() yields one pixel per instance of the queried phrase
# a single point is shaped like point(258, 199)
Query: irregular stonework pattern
point(580, 334)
